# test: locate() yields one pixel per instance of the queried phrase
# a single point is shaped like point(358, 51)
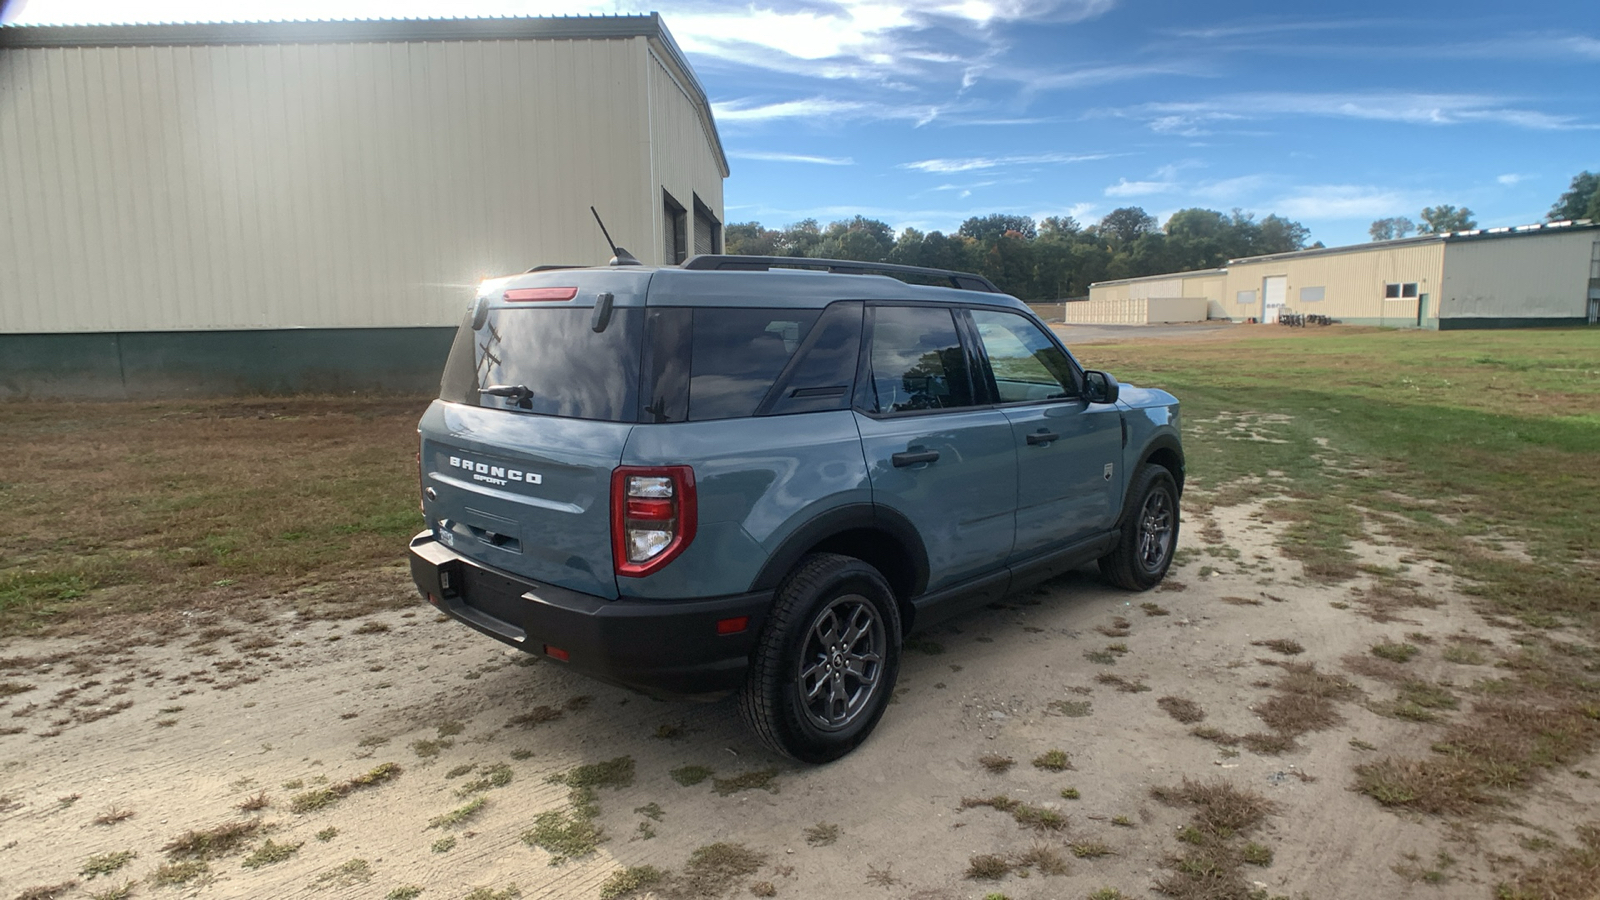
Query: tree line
point(1581, 201)
point(1050, 259)
point(1058, 257)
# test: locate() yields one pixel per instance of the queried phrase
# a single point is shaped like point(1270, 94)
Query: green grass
point(1459, 437)
point(183, 500)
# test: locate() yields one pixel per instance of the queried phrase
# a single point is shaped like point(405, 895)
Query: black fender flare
point(1164, 441)
point(837, 520)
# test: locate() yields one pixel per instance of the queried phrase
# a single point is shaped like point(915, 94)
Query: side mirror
point(1100, 387)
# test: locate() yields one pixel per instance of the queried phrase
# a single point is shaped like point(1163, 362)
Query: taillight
point(523, 295)
point(422, 482)
point(652, 516)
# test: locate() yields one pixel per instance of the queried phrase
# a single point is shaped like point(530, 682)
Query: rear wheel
point(826, 661)
point(1149, 533)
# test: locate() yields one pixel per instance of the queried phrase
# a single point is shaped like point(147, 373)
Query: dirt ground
point(117, 749)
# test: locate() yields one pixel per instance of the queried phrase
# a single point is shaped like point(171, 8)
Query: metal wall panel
point(1539, 275)
point(681, 151)
point(322, 185)
point(1352, 281)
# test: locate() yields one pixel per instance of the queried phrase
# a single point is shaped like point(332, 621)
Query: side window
point(1027, 365)
point(736, 356)
point(917, 361)
point(823, 371)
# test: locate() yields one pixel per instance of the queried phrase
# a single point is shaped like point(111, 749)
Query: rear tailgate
point(529, 495)
point(537, 400)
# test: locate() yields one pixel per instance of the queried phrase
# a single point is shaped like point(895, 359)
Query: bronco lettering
point(494, 474)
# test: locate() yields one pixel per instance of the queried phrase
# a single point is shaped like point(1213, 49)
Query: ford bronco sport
point(730, 476)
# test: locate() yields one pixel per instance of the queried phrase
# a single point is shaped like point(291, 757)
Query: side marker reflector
point(555, 653)
point(733, 625)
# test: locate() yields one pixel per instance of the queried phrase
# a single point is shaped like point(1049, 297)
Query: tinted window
point(917, 361)
point(737, 356)
point(1027, 365)
point(568, 369)
point(823, 371)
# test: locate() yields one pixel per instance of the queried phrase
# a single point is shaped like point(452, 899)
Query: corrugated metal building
point(277, 206)
point(1531, 275)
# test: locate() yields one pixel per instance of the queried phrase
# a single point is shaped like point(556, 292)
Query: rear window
point(567, 369)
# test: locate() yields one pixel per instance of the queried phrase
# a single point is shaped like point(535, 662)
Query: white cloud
point(976, 163)
point(1509, 179)
point(736, 111)
point(1341, 201)
point(1409, 108)
point(793, 157)
point(1126, 188)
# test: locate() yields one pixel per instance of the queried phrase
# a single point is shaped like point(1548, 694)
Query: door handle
point(912, 457)
point(1042, 437)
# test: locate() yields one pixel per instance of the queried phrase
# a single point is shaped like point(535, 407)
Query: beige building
point(281, 206)
point(1531, 275)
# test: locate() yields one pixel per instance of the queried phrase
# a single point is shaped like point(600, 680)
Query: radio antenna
point(619, 256)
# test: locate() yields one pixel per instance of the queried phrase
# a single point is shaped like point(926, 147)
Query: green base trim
point(154, 364)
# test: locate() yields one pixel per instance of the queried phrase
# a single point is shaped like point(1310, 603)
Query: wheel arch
point(1163, 450)
point(879, 537)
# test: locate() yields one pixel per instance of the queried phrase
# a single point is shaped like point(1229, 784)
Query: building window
point(675, 228)
point(707, 230)
point(1310, 294)
point(1245, 298)
point(1403, 291)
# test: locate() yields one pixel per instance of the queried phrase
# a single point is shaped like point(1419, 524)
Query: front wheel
point(1149, 533)
point(826, 662)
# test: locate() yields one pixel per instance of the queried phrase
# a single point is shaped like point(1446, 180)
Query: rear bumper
point(659, 646)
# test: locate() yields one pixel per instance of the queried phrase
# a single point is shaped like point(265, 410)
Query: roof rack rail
point(965, 281)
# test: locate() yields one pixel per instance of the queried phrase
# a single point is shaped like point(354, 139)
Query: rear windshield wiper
point(520, 394)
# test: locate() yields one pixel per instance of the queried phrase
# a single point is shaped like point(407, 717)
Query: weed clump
point(179, 872)
point(1090, 850)
point(1395, 652)
point(210, 843)
point(988, 866)
point(689, 776)
point(1187, 712)
point(269, 853)
point(629, 881)
point(713, 868)
point(995, 763)
point(1210, 864)
point(1119, 627)
point(497, 775)
point(324, 797)
point(347, 873)
point(1281, 645)
point(459, 815)
point(1053, 761)
point(1122, 684)
point(106, 863)
point(570, 833)
point(760, 779)
point(822, 834)
point(1074, 709)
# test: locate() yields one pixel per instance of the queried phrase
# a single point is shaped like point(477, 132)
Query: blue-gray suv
point(735, 475)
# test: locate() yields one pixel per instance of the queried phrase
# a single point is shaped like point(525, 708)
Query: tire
point(1149, 533)
point(801, 652)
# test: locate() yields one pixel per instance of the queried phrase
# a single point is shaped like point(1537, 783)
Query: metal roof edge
point(1219, 270)
point(343, 31)
point(323, 31)
point(664, 37)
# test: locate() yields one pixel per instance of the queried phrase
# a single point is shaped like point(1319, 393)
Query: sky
point(922, 114)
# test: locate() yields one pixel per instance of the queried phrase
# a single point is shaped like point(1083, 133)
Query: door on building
point(1422, 309)
point(1274, 289)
